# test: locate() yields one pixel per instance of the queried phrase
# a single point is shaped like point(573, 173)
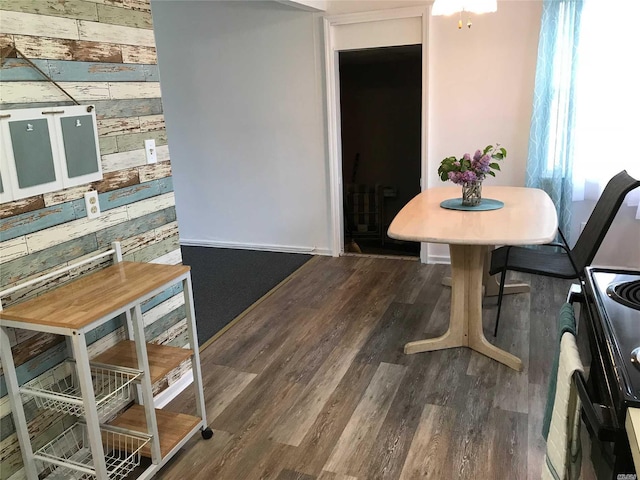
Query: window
point(607, 98)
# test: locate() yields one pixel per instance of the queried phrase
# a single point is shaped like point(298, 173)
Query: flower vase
point(472, 193)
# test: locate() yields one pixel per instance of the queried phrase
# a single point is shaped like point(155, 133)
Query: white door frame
point(333, 109)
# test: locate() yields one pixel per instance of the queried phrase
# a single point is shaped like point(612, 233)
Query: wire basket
point(59, 389)
point(68, 456)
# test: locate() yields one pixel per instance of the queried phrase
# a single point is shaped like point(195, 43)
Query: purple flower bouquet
point(470, 172)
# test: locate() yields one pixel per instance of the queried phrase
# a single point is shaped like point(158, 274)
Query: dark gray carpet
point(228, 281)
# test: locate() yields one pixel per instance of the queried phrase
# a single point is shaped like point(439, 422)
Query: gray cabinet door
point(32, 152)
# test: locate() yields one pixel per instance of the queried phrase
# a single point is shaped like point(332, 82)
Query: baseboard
point(188, 242)
point(439, 259)
point(168, 394)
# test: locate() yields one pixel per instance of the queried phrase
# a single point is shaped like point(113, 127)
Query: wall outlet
point(92, 204)
point(150, 150)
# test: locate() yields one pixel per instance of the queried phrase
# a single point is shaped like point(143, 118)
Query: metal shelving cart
point(111, 394)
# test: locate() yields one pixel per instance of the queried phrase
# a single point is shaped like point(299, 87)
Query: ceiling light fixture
point(449, 7)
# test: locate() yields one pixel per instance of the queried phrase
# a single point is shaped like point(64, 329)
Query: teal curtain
point(551, 140)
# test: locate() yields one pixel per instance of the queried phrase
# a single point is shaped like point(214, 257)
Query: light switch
point(150, 150)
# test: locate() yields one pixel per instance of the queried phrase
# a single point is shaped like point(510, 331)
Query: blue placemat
point(485, 204)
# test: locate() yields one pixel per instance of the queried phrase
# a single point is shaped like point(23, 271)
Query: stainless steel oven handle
point(597, 417)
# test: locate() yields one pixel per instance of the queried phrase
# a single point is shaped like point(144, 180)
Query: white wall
point(481, 90)
point(243, 90)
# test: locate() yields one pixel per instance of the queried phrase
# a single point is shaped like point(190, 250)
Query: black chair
point(570, 262)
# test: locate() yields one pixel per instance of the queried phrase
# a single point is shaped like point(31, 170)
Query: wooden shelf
point(172, 427)
point(73, 310)
point(92, 297)
point(162, 358)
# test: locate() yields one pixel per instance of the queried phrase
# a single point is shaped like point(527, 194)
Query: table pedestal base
point(465, 321)
point(492, 284)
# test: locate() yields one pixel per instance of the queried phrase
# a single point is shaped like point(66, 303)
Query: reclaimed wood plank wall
point(101, 52)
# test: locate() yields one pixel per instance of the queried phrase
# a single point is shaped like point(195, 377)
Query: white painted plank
point(171, 258)
point(66, 195)
point(166, 231)
point(152, 122)
point(133, 158)
point(137, 242)
point(102, 32)
point(49, 237)
point(172, 333)
point(177, 373)
point(138, 54)
point(38, 25)
point(162, 152)
point(118, 126)
point(121, 160)
point(150, 205)
point(14, 248)
point(19, 475)
point(27, 92)
point(131, 90)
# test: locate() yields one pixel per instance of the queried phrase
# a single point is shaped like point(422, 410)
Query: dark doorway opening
point(380, 108)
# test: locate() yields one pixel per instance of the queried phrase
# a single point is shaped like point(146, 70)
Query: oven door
point(610, 450)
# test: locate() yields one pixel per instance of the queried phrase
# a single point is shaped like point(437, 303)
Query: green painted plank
point(136, 226)
point(18, 70)
point(78, 9)
point(163, 324)
point(156, 250)
point(128, 108)
point(105, 329)
point(161, 297)
point(126, 17)
point(70, 71)
point(23, 267)
point(17, 106)
point(30, 222)
point(135, 141)
point(108, 145)
point(37, 366)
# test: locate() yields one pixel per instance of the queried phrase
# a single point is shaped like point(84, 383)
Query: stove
point(611, 301)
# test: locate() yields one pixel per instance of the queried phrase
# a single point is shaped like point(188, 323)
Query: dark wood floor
point(313, 383)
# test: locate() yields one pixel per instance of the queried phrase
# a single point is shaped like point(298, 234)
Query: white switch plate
point(150, 150)
point(92, 204)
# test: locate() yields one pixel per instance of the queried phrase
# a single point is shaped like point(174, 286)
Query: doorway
point(368, 31)
point(380, 118)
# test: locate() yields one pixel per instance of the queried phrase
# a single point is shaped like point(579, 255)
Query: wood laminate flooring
point(313, 383)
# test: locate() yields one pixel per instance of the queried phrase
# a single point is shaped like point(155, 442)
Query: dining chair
point(568, 263)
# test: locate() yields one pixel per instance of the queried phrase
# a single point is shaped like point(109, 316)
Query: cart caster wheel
point(207, 433)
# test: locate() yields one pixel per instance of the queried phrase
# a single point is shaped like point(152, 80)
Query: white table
point(528, 217)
